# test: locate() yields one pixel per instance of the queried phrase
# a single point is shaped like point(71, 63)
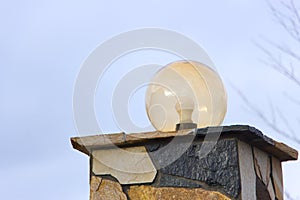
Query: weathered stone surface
point(262, 165)
point(127, 165)
point(270, 188)
point(101, 189)
point(168, 193)
point(219, 168)
point(277, 178)
point(165, 180)
point(262, 192)
point(248, 176)
point(245, 133)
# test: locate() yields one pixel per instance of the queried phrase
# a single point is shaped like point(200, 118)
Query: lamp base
point(182, 126)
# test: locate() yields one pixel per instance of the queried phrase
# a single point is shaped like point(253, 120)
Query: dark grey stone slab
point(219, 168)
point(165, 180)
point(262, 192)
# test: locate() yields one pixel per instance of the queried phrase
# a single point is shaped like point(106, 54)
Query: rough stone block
point(262, 165)
point(219, 168)
point(262, 192)
point(277, 178)
point(151, 193)
point(165, 180)
point(271, 189)
point(248, 176)
point(128, 165)
point(102, 189)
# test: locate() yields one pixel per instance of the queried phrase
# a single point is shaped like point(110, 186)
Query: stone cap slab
point(245, 133)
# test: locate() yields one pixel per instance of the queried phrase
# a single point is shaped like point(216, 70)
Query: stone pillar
point(230, 162)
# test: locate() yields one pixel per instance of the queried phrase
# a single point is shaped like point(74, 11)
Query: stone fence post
point(241, 164)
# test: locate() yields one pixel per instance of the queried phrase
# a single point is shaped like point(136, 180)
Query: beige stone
point(247, 173)
point(262, 165)
point(102, 189)
point(128, 165)
point(277, 178)
point(168, 193)
point(270, 188)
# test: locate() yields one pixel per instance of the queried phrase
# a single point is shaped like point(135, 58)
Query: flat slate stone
point(248, 176)
point(165, 180)
point(277, 178)
point(262, 165)
point(245, 133)
point(130, 165)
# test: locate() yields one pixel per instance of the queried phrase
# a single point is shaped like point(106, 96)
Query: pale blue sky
point(44, 43)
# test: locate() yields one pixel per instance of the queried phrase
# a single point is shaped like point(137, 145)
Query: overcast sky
point(44, 43)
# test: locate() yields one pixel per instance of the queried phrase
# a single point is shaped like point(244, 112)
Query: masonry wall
point(240, 164)
point(231, 170)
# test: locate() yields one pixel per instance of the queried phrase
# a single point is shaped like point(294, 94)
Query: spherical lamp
point(185, 94)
